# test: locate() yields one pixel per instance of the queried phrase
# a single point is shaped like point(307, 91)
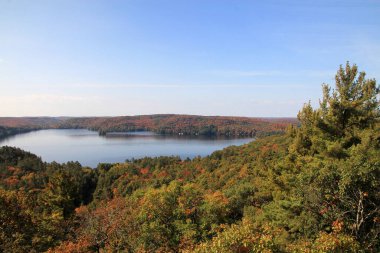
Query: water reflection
point(89, 148)
point(148, 134)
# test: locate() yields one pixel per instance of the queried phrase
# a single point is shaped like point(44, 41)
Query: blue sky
point(206, 57)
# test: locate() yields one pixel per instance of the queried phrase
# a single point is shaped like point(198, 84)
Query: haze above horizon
point(200, 57)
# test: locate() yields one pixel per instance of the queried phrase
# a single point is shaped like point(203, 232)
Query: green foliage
point(16, 225)
point(314, 189)
point(9, 131)
point(10, 156)
point(333, 163)
point(241, 237)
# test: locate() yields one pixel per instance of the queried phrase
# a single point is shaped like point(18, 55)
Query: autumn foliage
point(314, 189)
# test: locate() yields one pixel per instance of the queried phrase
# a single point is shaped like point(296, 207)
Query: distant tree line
point(183, 125)
point(9, 131)
point(167, 124)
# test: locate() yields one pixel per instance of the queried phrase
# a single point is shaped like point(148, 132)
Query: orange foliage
point(163, 174)
point(13, 180)
point(337, 225)
point(186, 173)
point(217, 197)
point(144, 171)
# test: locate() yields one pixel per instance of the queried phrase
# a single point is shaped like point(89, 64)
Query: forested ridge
point(184, 124)
point(9, 131)
point(168, 124)
point(315, 188)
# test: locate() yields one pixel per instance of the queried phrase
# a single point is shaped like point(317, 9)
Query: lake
point(87, 147)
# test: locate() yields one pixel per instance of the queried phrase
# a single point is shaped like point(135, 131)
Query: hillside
point(162, 124)
point(31, 122)
point(9, 131)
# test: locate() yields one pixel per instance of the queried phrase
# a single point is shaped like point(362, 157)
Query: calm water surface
point(87, 147)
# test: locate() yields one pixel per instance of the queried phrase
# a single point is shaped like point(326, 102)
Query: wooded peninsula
point(167, 124)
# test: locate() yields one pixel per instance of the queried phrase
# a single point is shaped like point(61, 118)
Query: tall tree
point(337, 153)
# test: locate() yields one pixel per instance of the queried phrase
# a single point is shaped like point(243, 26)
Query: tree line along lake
point(89, 148)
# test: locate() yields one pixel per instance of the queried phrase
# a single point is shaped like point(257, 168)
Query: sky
point(204, 57)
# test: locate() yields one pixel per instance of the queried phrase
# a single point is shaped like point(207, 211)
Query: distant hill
point(170, 124)
point(31, 122)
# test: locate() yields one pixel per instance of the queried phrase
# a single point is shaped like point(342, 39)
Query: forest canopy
point(315, 188)
point(167, 124)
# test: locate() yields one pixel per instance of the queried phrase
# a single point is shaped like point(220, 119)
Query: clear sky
point(206, 57)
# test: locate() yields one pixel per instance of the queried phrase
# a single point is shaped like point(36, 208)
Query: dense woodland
point(169, 124)
point(314, 189)
point(9, 131)
point(184, 125)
